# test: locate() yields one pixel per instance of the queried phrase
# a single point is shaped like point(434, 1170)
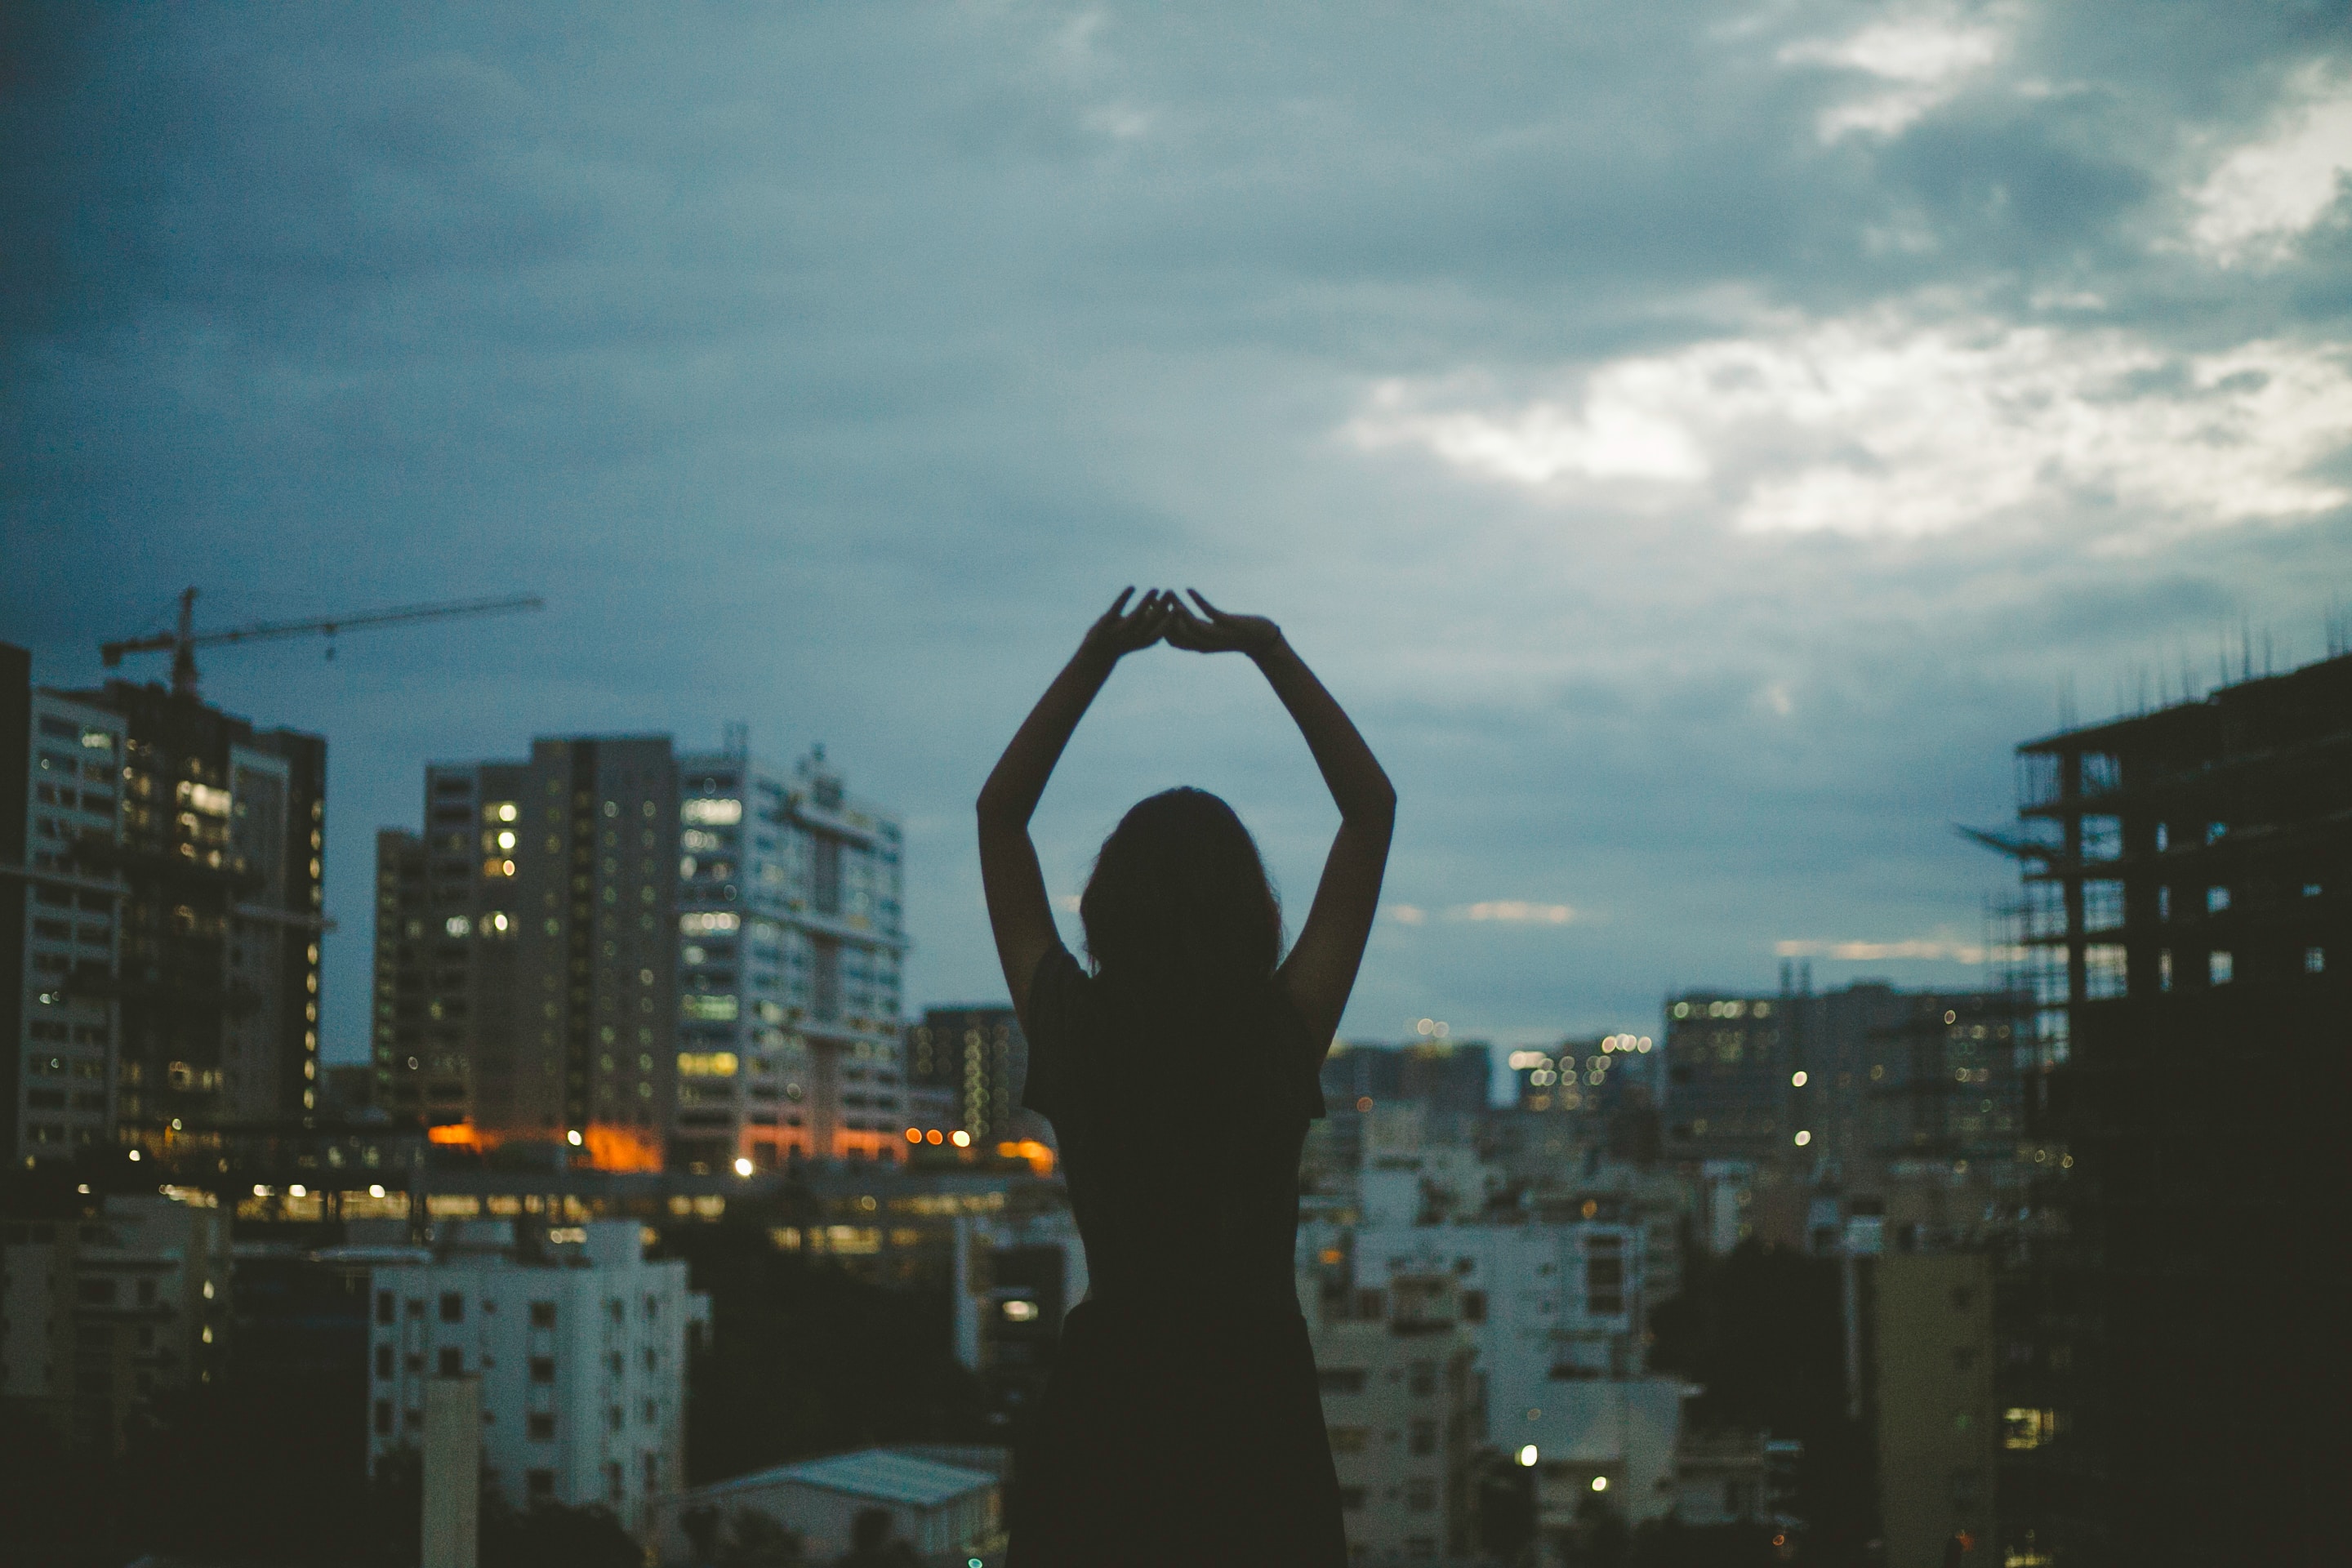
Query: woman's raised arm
point(1321, 969)
point(1017, 909)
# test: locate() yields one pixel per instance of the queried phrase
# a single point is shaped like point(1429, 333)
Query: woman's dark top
point(1182, 1421)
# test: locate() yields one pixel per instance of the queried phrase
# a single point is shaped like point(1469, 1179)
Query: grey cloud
point(828, 367)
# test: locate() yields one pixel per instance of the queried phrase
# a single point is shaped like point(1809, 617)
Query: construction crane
point(186, 639)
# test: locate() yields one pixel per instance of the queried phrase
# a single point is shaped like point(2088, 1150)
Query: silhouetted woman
point(1183, 1422)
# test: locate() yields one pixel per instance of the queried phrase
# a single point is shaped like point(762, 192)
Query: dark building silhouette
point(2188, 893)
point(1443, 1077)
point(526, 981)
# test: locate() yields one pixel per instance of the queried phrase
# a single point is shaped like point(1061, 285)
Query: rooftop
point(876, 1473)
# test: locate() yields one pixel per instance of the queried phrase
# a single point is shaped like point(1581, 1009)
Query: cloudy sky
point(1697, 440)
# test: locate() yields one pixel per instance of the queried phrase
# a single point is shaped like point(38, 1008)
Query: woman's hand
point(1122, 631)
point(1213, 631)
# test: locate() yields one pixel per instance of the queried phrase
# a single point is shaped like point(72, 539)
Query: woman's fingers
point(1119, 605)
point(1188, 631)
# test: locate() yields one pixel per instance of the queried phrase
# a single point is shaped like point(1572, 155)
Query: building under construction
point(2187, 920)
point(161, 910)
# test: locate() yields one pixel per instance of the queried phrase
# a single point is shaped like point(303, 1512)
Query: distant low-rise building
point(1543, 1305)
point(942, 1503)
point(580, 1344)
point(100, 1313)
point(1400, 1404)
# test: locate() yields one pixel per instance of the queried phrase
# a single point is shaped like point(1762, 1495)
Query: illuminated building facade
point(2188, 908)
point(791, 938)
point(219, 860)
point(60, 762)
point(1592, 1077)
point(653, 958)
point(580, 1345)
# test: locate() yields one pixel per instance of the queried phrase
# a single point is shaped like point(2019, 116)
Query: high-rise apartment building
point(2188, 893)
point(979, 1059)
point(222, 857)
point(791, 938)
point(652, 958)
point(60, 817)
point(1843, 1080)
point(161, 917)
point(527, 948)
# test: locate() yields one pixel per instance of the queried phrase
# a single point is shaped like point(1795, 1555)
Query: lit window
point(2102, 838)
point(712, 812)
point(2164, 971)
point(2216, 899)
point(706, 1064)
point(706, 923)
point(2218, 968)
point(709, 1009)
point(457, 925)
point(2105, 972)
point(2314, 960)
point(205, 798)
point(2024, 1429)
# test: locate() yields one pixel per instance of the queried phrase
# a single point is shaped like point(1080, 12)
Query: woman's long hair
point(1179, 908)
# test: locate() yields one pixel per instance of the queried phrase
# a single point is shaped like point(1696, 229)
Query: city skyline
point(1695, 507)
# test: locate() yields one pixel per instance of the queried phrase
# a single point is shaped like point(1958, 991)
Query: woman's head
point(1179, 897)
